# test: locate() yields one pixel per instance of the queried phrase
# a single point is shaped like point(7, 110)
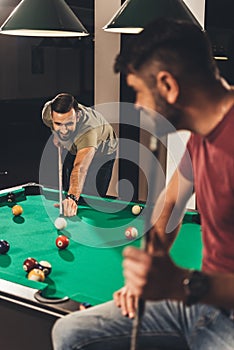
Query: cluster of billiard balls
point(62, 241)
point(37, 271)
point(132, 232)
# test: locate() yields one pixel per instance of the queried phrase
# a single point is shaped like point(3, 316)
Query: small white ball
point(136, 209)
point(60, 223)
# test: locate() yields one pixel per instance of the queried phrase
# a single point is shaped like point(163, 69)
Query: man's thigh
point(214, 330)
point(104, 327)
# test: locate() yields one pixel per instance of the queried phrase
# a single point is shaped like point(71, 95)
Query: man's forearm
point(220, 291)
point(160, 238)
point(169, 210)
point(77, 180)
point(157, 277)
point(80, 168)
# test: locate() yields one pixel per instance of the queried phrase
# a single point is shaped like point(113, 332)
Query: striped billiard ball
point(29, 264)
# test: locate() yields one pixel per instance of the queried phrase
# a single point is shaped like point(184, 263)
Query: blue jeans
point(165, 325)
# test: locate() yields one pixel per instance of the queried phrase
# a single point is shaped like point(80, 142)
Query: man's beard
point(168, 118)
point(66, 137)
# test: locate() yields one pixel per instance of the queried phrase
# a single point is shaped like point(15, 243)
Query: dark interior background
point(34, 70)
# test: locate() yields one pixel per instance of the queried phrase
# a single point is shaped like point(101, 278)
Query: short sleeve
point(89, 139)
point(46, 115)
point(186, 166)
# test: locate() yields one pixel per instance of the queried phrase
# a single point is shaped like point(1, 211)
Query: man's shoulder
point(85, 109)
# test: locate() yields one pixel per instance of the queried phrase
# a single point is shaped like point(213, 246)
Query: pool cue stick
point(60, 178)
point(152, 190)
point(141, 302)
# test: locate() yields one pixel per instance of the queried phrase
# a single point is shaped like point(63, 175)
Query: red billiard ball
point(131, 233)
point(4, 246)
point(29, 264)
point(36, 275)
point(62, 241)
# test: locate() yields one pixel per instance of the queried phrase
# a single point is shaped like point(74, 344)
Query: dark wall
point(219, 25)
point(34, 70)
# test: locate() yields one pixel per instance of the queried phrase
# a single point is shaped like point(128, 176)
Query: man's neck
point(208, 110)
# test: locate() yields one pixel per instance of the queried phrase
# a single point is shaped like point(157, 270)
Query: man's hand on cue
point(69, 207)
point(152, 277)
point(125, 300)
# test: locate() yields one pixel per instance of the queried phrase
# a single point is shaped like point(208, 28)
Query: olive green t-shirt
point(92, 130)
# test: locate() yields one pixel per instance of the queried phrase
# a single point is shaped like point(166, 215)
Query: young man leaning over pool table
point(90, 143)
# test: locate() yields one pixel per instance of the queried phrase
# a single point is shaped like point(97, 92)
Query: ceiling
point(219, 21)
point(219, 13)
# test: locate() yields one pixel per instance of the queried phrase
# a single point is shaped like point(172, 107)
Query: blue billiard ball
point(4, 246)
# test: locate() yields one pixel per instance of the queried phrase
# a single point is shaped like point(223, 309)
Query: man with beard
point(90, 143)
point(171, 68)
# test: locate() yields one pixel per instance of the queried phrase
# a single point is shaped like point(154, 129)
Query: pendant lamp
point(134, 15)
point(44, 18)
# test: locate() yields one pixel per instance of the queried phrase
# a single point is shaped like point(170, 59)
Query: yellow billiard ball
point(36, 275)
point(136, 209)
point(17, 210)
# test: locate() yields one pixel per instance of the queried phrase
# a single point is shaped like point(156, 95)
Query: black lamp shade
point(52, 18)
point(134, 15)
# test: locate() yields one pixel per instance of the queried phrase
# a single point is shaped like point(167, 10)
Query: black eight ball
point(4, 246)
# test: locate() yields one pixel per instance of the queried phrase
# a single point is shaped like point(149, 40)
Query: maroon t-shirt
point(213, 170)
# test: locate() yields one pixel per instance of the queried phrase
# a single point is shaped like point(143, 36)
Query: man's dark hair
point(180, 47)
point(63, 103)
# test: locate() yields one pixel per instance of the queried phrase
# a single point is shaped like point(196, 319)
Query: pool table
point(86, 273)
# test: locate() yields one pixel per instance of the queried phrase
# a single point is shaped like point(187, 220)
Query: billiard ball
point(84, 306)
point(45, 266)
point(62, 242)
point(10, 197)
point(131, 233)
point(29, 264)
point(60, 223)
point(17, 210)
point(136, 209)
point(36, 275)
point(4, 246)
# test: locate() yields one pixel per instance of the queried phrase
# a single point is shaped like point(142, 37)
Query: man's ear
point(167, 86)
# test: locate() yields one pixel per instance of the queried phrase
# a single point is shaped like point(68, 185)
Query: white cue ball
point(60, 223)
point(136, 209)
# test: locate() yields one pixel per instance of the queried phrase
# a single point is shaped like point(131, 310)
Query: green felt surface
point(90, 269)
point(82, 272)
point(187, 248)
